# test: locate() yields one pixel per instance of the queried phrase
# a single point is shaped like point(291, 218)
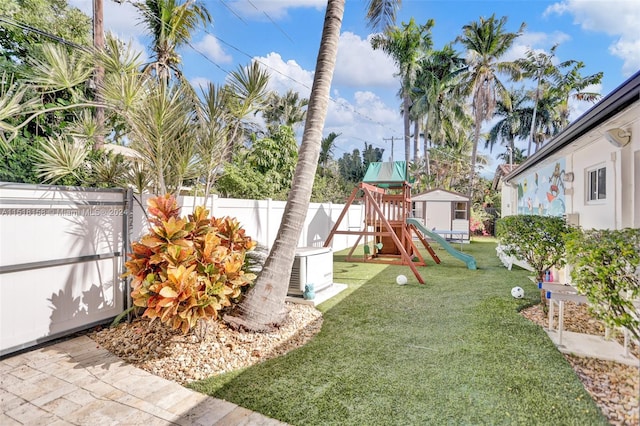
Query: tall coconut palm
point(486, 42)
point(264, 304)
point(572, 85)
point(434, 95)
point(407, 46)
point(170, 24)
point(512, 122)
point(539, 67)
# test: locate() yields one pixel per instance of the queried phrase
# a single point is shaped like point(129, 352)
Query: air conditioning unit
point(312, 265)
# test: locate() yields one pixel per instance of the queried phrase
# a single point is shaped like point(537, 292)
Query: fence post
point(213, 198)
point(268, 224)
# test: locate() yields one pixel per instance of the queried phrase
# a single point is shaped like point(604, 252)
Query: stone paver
point(75, 382)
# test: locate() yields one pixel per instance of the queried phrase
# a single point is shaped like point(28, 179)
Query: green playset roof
point(387, 174)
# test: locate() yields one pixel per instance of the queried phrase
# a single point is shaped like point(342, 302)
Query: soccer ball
point(401, 280)
point(517, 292)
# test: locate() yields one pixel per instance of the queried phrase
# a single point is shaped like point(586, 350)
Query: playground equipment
point(469, 260)
point(387, 232)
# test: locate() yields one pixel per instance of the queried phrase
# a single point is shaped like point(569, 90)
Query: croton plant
point(187, 269)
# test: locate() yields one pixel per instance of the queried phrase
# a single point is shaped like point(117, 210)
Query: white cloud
point(286, 75)
point(211, 48)
point(616, 18)
point(359, 65)
point(364, 119)
point(536, 41)
point(122, 20)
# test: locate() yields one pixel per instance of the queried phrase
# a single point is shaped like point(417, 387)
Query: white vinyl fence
point(62, 251)
point(61, 254)
point(261, 219)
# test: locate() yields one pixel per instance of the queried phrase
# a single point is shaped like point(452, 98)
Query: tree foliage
point(605, 268)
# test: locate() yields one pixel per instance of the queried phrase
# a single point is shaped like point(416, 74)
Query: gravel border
point(614, 387)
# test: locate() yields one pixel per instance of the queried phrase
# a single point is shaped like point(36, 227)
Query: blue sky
point(284, 36)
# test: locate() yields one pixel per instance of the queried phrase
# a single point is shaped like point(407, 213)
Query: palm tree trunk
point(474, 155)
point(264, 305)
point(416, 139)
point(98, 43)
point(533, 119)
point(407, 131)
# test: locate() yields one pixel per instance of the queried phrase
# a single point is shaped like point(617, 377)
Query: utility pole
point(387, 140)
point(98, 43)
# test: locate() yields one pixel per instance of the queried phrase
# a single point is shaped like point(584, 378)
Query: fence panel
point(261, 219)
point(62, 252)
point(61, 255)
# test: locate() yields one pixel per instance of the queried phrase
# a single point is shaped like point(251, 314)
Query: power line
point(190, 45)
point(233, 12)
point(272, 21)
point(43, 33)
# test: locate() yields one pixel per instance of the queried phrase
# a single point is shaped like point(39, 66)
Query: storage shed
point(443, 211)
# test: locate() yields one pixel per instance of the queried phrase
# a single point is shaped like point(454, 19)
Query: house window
point(460, 210)
point(597, 184)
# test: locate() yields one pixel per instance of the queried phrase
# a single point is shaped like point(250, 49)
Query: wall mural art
point(542, 192)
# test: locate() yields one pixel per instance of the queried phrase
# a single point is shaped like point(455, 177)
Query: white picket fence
point(62, 251)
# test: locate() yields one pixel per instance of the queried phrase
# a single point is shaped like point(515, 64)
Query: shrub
point(187, 269)
point(479, 220)
point(537, 240)
point(605, 269)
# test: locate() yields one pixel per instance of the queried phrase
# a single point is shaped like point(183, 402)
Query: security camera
point(618, 137)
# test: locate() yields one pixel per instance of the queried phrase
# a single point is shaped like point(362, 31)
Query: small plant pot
point(309, 292)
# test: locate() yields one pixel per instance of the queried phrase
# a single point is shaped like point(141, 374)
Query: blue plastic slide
point(469, 260)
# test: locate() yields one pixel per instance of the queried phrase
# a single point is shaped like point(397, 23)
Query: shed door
point(438, 215)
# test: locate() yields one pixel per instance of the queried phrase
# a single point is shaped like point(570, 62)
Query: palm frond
point(61, 157)
point(58, 69)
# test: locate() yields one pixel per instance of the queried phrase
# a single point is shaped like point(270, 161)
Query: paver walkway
point(75, 382)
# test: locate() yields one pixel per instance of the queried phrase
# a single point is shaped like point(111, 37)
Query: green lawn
point(453, 351)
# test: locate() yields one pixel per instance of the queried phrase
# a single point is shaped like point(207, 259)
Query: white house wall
point(620, 208)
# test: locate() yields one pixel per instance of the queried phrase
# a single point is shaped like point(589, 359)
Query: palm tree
point(407, 47)
point(288, 110)
point(170, 24)
point(572, 85)
point(486, 42)
point(513, 155)
point(513, 121)
point(541, 69)
point(326, 151)
point(211, 137)
point(434, 95)
point(247, 89)
point(264, 305)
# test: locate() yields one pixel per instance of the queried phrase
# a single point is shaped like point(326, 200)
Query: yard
point(455, 350)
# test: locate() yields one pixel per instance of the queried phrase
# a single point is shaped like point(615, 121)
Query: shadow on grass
point(454, 350)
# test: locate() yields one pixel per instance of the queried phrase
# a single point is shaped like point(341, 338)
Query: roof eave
point(619, 99)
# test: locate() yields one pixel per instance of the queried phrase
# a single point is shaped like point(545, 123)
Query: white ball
point(401, 280)
point(517, 292)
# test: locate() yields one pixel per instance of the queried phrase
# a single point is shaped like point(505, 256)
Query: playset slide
point(469, 260)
